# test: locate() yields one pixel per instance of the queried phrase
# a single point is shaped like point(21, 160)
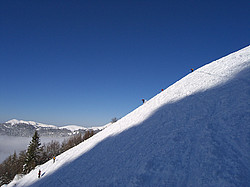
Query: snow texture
point(195, 133)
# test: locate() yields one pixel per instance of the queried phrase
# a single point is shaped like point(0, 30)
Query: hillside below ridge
point(194, 133)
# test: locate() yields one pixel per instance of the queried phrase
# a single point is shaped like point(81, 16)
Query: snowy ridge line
point(33, 123)
point(73, 128)
point(194, 133)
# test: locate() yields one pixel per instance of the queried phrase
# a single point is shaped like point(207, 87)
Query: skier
point(143, 101)
point(39, 173)
point(162, 90)
point(192, 69)
point(54, 159)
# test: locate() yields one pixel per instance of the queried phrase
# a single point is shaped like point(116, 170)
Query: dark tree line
point(36, 154)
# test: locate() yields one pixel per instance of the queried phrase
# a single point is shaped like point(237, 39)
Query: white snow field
point(195, 133)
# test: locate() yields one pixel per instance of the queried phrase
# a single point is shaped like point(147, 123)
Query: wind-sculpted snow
point(195, 133)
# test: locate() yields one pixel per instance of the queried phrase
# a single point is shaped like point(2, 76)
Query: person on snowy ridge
point(192, 69)
point(39, 173)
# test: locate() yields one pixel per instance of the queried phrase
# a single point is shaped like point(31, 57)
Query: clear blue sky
point(85, 62)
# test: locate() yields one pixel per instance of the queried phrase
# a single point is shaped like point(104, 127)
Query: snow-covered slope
point(195, 133)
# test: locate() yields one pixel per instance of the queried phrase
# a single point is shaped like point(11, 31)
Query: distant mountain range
point(27, 128)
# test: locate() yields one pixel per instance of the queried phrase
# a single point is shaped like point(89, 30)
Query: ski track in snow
point(195, 133)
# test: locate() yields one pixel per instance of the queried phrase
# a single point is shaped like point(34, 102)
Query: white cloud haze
point(10, 144)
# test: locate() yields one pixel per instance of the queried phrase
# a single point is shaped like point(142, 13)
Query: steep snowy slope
point(195, 133)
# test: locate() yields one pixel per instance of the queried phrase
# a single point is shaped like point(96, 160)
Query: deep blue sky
point(85, 62)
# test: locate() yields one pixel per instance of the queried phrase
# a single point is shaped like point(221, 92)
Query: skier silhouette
point(143, 100)
point(192, 69)
point(39, 173)
point(54, 159)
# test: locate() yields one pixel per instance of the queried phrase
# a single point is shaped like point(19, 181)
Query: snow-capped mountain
point(15, 121)
point(194, 133)
point(23, 128)
point(72, 127)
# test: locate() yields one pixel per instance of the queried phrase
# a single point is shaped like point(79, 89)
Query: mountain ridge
point(23, 128)
point(194, 133)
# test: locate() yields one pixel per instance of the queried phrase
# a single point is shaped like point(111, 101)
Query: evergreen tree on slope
point(33, 154)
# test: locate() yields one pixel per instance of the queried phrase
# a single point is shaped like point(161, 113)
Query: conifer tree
point(6, 173)
point(14, 163)
point(33, 153)
point(21, 161)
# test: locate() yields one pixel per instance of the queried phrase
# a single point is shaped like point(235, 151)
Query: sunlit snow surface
point(194, 133)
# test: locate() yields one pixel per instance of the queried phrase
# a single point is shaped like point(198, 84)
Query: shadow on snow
point(201, 140)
